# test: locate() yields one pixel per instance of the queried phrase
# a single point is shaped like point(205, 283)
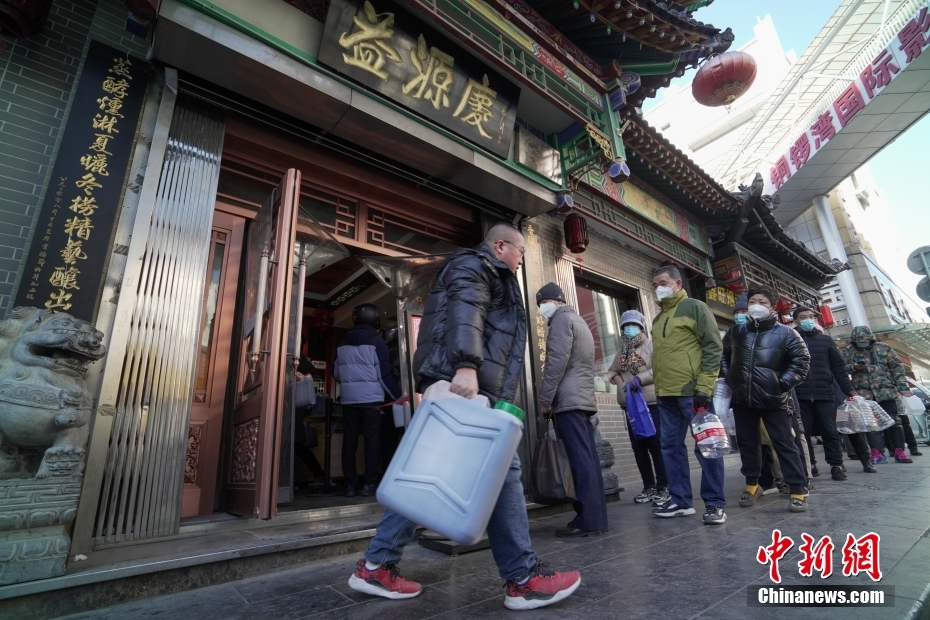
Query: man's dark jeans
point(819, 418)
point(676, 413)
point(356, 420)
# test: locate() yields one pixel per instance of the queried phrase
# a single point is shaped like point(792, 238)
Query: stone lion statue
point(44, 404)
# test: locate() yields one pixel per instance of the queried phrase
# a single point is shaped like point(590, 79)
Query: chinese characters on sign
point(69, 251)
point(859, 555)
point(907, 46)
point(387, 49)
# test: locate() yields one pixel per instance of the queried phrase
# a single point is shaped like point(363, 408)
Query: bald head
point(503, 232)
point(506, 242)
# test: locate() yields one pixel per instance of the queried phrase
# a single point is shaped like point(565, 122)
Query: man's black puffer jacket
point(763, 360)
point(474, 318)
point(827, 365)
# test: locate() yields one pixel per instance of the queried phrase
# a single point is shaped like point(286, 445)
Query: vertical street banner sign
point(68, 256)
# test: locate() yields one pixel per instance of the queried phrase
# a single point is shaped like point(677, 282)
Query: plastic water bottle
point(709, 434)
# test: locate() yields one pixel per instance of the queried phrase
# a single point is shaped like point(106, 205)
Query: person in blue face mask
point(634, 359)
point(815, 395)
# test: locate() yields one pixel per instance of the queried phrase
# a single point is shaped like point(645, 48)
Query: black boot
point(867, 466)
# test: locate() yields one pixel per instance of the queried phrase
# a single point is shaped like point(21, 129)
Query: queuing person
point(567, 396)
point(770, 478)
point(878, 374)
point(686, 360)
point(816, 398)
point(390, 434)
point(763, 360)
point(363, 370)
point(473, 334)
point(634, 359)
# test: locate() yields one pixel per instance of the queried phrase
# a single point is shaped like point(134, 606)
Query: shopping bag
point(638, 411)
point(551, 479)
point(304, 393)
point(859, 415)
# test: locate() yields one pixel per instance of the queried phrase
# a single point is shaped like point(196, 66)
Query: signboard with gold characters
point(386, 48)
point(71, 244)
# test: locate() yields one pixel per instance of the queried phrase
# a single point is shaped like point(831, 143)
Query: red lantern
point(827, 314)
point(723, 79)
point(736, 280)
point(22, 18)
point(576, 233)
point(783, 306)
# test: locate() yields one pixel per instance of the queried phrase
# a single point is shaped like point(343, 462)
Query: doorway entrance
point(251, 451)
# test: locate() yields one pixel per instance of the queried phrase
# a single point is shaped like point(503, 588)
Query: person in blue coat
point(363, 370)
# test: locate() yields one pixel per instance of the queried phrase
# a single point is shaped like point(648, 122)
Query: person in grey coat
point(567, 394)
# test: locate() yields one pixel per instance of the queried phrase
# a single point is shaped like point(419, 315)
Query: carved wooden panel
point(245, 442)
point(194, 439)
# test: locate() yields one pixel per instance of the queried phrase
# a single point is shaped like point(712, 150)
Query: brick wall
point(38, 76)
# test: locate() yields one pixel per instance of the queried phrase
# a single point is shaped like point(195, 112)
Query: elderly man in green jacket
point(686, 359)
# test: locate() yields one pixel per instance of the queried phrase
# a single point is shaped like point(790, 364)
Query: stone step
point(202, 554)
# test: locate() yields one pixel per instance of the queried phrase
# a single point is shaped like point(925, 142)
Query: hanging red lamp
point(723, 79)
point(735, 277)
point(826, 314)
point(576, 233)
point(783, 306)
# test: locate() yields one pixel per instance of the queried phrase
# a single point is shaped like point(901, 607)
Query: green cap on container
point(511, 409)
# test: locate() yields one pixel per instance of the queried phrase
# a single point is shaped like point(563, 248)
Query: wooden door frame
point(199, 497)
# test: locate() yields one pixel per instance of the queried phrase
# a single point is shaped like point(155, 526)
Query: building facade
point(278, 164)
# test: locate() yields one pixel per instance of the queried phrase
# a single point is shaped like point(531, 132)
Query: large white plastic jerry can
point(451, 463)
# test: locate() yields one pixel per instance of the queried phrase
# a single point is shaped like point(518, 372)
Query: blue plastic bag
point(638, 412)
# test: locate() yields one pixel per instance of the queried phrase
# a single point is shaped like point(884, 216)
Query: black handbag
point(551, 479)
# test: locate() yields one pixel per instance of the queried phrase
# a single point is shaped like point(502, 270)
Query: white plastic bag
point(398, 413)
point(859, 415)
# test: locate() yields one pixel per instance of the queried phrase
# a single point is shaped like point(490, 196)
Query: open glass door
point(409, 279)
point(259, 402)
point(314, 249)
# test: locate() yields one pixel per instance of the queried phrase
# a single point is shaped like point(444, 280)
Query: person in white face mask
point(686, 360)
point(763, 361)
point(567, 396)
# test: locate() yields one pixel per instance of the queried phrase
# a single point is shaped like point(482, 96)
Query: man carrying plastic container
point(686, 359)
point(473, 334)
point(567, 394)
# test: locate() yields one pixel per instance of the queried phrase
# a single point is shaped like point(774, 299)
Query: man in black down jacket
point(473, 334)
point(763, 360)
point(815, 394)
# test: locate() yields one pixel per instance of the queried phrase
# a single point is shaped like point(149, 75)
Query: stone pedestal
point(34, 516)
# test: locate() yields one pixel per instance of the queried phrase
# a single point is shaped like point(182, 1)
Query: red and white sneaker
point(383, 581)
point(544, 587)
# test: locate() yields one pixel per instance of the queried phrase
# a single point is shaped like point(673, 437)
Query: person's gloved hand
point(701, 401)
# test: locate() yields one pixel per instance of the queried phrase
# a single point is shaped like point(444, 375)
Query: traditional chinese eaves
point(646, 37)
point(644, 21)
point(768, 239)
point(656, 160)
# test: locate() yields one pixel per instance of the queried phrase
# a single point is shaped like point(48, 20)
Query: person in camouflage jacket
point(878, 374)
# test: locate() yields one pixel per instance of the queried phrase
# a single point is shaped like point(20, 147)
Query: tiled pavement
point(644, 568)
